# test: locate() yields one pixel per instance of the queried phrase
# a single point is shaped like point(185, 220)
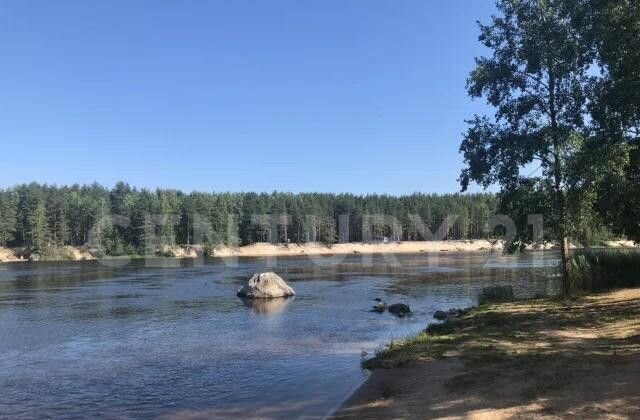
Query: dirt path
point(539, 359)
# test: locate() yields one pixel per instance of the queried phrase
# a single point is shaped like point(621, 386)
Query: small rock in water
point(379, 307)
point(399, 309)
point(452, 313)
point(377, 299)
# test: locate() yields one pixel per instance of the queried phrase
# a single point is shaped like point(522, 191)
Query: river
point(86, 339)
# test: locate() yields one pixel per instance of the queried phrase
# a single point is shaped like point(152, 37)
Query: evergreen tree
point(127, 220)
point(8, 216)
point(39, 233)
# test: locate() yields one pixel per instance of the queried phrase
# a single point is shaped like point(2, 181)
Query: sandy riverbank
point(278, 250)
point(412, 247)
point(533, 359)
point(266, 249)
point(289, 250)
point(64, 253)
point(8, 255)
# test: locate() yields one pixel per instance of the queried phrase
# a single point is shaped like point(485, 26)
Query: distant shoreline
point(69, 253)
point(407, 247)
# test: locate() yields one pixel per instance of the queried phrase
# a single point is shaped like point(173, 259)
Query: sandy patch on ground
point(541, 359)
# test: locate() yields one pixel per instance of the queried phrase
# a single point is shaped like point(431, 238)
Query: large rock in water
point(265, 285)
point(399, 309)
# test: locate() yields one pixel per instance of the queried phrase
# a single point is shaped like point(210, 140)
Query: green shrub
point(53, 253)
point(599, 270)
point(496, 294)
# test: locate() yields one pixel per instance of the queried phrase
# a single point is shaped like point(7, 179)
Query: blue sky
point(336, 96)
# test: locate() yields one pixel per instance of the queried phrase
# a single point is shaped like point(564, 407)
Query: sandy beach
point(410, 247)
point(414, 247)
point(71, 253)
point(287, 250)
point(64, 253)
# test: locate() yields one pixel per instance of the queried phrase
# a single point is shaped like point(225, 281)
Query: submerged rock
point(440, 315)
point(452, 313)
point(379, 307)
point(265, 285)
point(399, 309)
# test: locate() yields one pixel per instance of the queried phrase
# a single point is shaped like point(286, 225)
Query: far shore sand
point(284, 250)
point(413, 247)
point(71, 253)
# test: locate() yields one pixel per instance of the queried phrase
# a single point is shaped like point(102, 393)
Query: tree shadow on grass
point(529, 358)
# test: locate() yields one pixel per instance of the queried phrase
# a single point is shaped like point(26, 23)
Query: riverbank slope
point(543, 358)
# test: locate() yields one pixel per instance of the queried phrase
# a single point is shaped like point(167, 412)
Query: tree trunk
point(557, 178)
point(562, 227)
point(564, 251)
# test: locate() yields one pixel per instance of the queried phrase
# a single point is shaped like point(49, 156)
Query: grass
point(547, 344)
point(495, 294)
point(440, 338)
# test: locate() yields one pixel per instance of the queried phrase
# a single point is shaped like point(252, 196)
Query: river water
point(85, 339)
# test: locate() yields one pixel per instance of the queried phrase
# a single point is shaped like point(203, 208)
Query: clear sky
point(336, 96)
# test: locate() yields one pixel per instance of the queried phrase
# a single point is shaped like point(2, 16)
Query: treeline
point(127, 220)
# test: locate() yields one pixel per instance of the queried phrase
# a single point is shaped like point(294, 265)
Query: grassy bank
point(546, 357)
point(513, 331)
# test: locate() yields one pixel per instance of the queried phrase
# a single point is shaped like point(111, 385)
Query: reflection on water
point(269, 307)
point(83, 339)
